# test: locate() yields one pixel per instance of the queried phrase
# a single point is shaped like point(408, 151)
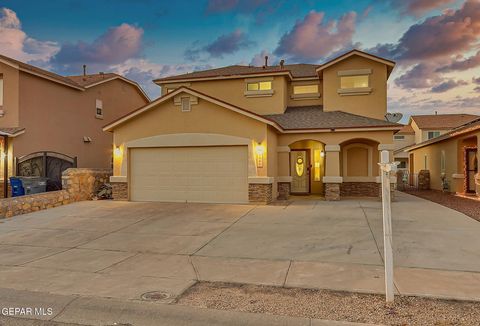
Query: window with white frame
point(433, 134)
point(99, 109)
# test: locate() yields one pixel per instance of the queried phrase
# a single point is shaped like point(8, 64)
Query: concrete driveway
point(122, 250)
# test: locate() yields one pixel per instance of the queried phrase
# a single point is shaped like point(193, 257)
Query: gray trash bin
point(34, 185)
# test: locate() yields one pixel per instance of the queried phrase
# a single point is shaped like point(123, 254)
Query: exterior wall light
point(322, 154)
point(260, 150)
point(118, 151)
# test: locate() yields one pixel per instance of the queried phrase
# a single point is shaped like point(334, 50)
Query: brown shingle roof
point(36, 70)
point(313, 117)
point(442, 121)
point(87, 80)
point(297, 70)
point(407, 129)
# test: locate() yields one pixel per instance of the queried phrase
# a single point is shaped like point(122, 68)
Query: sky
point(435, 43)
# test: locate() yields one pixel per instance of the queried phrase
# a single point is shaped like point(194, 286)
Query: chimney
point(436, 112)
point(266, 61)
point(282, 62)
point(84, 70)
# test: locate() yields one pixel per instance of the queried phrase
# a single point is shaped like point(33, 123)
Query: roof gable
point(190, 91)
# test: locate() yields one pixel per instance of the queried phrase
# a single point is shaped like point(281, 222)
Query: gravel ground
point(331, 305)
point(469, 207)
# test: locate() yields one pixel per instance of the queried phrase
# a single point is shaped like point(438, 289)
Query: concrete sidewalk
point(75, 310)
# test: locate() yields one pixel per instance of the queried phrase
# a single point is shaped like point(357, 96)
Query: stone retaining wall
point(78, 185)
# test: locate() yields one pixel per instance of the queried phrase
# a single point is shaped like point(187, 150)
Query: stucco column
point(477, 176)
point(332, 178)
point(284, 179)
point(393, 178)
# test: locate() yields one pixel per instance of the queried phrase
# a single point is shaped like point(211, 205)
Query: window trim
point(356, 90)
point(433, 131)
point(259, 93)
point(305, 96)
point(98, 105)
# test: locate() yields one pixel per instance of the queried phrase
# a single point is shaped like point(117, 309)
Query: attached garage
point(203, 174)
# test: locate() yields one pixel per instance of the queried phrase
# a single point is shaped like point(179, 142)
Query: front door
point(471, 169)
point(300, 171)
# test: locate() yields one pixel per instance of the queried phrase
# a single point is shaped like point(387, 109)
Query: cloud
point(418, 7)
point(476, 81)
point(258, 59)
point(15, 43)
point(116, 45)
point(312, 38)
point(461, 65)
point(440, 36)
point(448, 85)
point(224, 44)
point(422, 75)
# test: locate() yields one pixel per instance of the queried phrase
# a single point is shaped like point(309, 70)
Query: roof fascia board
point(125, 80)
point(354, 52)
point(262, 74)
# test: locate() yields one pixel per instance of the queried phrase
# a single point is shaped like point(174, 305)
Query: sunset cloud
point(15, 43)
point(418, 7)
point(313, 38)
point(448, 85)
point(116, 45)
point(223, 45)
point(461, 65)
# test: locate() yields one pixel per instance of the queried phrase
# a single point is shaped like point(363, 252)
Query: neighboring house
point(49, 122)
point(452, 159)
point(421, 128)
point(241, 133)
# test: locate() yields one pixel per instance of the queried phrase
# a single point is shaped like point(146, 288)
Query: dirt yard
point(469, 207)
point(330, 305)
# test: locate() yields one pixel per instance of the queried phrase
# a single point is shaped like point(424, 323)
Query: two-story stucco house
point(50, 122)
point(242, 134)
point(421, 128)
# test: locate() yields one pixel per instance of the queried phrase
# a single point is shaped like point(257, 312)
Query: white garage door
point(193, 174)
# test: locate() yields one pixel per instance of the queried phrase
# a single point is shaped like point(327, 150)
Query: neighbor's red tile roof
point(442, 121)
point(297, 70)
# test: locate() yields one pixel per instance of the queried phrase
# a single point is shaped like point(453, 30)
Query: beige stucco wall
point(272, 157)
point(453, 160)
point(372, 105)
point(10, 96)
point(204, 118)
point(57, 118)
point(232, 91)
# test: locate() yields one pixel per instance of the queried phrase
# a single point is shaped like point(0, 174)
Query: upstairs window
point(305, 89)
point(259, 86)
point(98, 109)
point(347, 82)
point(433, 134)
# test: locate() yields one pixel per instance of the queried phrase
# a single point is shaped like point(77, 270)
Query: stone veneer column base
point(119, 190)
point(332, 191)
point(260, 193)
point(283, 190)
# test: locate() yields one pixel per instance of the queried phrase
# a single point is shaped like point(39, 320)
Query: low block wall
point(78, 185)
point(360, 189)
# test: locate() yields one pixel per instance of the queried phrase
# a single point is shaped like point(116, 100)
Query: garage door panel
point(196, 174)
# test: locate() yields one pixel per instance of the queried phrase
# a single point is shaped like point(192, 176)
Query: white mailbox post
point(386, 168)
